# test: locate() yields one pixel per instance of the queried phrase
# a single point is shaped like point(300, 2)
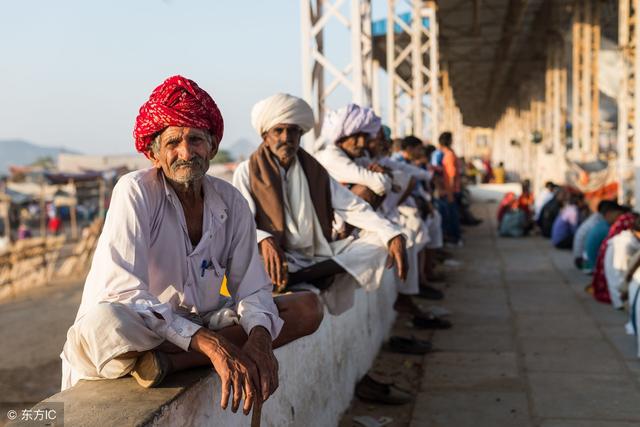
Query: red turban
point(176, 102)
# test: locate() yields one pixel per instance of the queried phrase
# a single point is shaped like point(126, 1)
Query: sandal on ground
point(151, 368)
point(373, 391)
point(409, 345)
point(429, 321)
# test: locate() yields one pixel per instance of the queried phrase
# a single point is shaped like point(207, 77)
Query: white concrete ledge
point(317, 378)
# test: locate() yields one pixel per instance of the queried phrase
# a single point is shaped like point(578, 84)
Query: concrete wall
point(317, 378)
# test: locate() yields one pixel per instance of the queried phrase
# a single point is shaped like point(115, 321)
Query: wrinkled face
point(283, 141)
point(354, 145)
point(377, 145)
point(183, 153)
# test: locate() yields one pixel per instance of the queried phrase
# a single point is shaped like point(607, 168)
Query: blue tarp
point(379, 28)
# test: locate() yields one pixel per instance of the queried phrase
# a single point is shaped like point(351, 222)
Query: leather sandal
point(151, 368)
point(373, 391)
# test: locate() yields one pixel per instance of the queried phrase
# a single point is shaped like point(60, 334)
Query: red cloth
point(508, 202)
point(599, 283)
point(176, 102)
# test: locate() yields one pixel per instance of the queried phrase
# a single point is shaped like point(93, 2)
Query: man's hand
point(275, 262)
point(259, 349)
point(378, 168)
point(398, 256)
point(233, 366)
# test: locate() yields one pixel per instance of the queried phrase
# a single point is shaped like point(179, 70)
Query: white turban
point(350, 120)
point(281, 108)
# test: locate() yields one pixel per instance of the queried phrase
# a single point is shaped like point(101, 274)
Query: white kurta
point(362, 257)
point(145, 262)
point(344, 170)
point(620, 250)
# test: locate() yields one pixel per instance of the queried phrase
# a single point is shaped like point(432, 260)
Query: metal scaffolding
point(413, 104)
point(357, 76)
point(585, 99)
point(627, 125)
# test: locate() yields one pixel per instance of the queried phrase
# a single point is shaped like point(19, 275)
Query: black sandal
point(429, 321)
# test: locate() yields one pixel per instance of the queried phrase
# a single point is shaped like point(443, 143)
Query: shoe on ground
point(409, 345)
point(429, 292)
point(373, 391)
point(151, 368)
point(430, 321)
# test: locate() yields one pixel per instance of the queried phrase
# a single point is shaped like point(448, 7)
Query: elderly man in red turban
point(151, 303)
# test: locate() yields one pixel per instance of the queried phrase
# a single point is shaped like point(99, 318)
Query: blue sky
point(74, 73)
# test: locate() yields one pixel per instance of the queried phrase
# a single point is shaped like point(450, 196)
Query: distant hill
point(20, 153)
point(241, 148)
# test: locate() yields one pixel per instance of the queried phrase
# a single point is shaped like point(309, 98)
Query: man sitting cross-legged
point(151, 302)
point(298, 209)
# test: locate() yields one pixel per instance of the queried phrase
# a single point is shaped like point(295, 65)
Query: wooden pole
point(43, 213)
point(72, 211)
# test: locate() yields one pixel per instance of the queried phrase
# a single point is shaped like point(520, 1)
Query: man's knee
point(309, 312)
point(106, 314)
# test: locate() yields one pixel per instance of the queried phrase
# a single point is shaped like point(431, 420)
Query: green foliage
point(44, 162)
point(223, 156)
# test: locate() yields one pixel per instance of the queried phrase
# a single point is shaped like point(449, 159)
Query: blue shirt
point(436, 158)
point(592, 243)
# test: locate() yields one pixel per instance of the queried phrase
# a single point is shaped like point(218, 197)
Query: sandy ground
point(33, 331)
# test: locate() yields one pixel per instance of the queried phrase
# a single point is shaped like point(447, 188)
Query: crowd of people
point(292, 237)
point(605, 243)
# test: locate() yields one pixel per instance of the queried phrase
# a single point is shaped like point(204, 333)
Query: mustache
point(196, 161)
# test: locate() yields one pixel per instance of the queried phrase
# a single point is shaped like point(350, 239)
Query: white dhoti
point(109, 330)
point(434, 229)
point(363, 256)
point(633, 326)
point(414, 228)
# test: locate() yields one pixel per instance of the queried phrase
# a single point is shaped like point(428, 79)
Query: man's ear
point(154, 159)
point(214, 148)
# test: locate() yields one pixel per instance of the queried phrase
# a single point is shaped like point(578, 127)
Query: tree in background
point(223, 156)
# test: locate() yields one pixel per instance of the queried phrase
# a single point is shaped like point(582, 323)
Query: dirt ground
point(33, 331)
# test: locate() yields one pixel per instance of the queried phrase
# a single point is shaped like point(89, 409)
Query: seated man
point(599, 232)
point(619, 251)
point(413, 210)
point(599, 287)
point(296, 204)
point(550, 211)
point(595, 221)
point(346, 132)
point(565, 224)
point(543, 198)
point(151, 303)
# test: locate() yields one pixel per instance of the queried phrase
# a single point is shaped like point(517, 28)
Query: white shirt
point(145, 260)
point(620, 250)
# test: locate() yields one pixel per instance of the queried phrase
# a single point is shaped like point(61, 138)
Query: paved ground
point(529, 346)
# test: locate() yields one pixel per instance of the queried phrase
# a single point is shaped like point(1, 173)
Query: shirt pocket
point(210, 278)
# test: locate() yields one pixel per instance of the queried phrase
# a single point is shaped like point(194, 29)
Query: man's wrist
point(260, 332)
